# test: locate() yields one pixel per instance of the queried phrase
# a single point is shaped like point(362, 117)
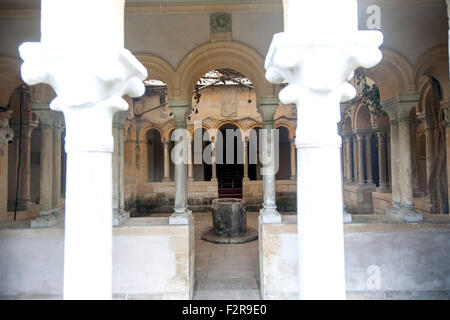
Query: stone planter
point(229, 223)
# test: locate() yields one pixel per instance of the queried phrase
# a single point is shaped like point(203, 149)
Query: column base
point(384, 189)
point(22, 205)
point(190, 179)
point(245, 179)
point(166, 180)
point(405, 214)
point(120, 216)
point(214, 180)
point(45, 220)
point(293, 178)
point(270, 216)
point(178, 218)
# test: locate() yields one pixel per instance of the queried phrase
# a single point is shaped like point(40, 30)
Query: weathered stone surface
point(229, 219)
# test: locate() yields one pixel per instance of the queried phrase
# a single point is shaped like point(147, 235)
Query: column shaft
point(361, 177)
point(369, 174)
point(190, 161)
point(46, 165)
point(395, 166)
point(166, 161)
point(382, 162)
point(406, 174)
point(293, 161)
point(245, 143)
point(355, 160)
point(213, 162)
point(348, 150)
point(56, 184)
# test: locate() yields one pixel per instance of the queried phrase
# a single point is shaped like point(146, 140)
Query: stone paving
point(225, 271)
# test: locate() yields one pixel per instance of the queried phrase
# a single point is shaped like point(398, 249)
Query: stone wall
point(158, 197)
point(358, 199)
point(410, 260)
point(382, 201)
point(252, 193)
point(151, 260)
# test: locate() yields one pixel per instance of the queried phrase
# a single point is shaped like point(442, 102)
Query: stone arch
point(287, 126)
point(159, 69)
point(129, 128)
point(203, 126)
point(222, 54)
point(361, 117)
point(224, 122)
point(251, 126)
point(143, 131)
point(347, 124)
point(167, 132)
point(10, 78)
point(393, 75)
point(434, 63)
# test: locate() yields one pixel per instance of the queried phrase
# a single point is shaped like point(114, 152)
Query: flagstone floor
point(225, 271)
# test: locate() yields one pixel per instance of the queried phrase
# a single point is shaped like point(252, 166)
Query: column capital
point(399, 107)
point(180, 110)
point(361, 133)
point(120, 117)
point(267, 108)
point(89, 86)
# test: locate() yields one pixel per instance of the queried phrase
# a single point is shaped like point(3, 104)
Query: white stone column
point(166, 144)
point(317, 54)
point(119, 213)
point(293, 160)
point(267, 108)
point(180, 111)
point(90, 71)
point(6, 136)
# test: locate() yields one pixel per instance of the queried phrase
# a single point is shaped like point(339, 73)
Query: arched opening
point(155, 156)
point(284, 155)
point(202, 170)
point(229, 161)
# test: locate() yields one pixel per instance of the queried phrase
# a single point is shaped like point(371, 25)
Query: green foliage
point(370, 97)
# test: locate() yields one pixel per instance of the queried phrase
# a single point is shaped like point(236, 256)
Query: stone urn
point(228, 217)
point(229, 222)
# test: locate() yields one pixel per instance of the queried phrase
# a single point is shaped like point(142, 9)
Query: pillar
point(90, 71)
point(399, 108)
point(267, 108)
point(348, 151)
point(382, 169)
point(293, 160)
point(6, 136)
point(355, 159)
point(180, 111)
point(190, 161)
point(317, 53)
point(245, 143)
point(118, 212)
point(166, 144)
point(361, 175)
point(213, 161)
point(368, 146)
point(45, 217)
point(56, 184)
point(428, 122)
